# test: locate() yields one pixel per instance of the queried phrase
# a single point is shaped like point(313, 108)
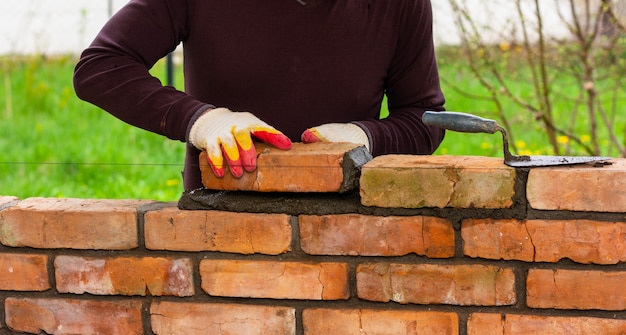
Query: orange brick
point(191, 318)
point(275, 280)
point(70, 223)
point(64, 316)
point(354, 321)
point(486, 324)
point(314, 167)
point(406, 181)
point(579, 188)
point(497, 239)
point(575, 289)
point(353, 234)
point(463, 285)
point(583, 241)
point(20, 272)
point(511, 324)
point(124, 276)
point(243, 233)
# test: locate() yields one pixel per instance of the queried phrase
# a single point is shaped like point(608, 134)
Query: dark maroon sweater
point(294, 66)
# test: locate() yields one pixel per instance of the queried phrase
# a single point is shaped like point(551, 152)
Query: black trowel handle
point(462, 122)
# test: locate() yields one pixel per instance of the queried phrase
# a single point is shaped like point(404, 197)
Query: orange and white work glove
point(227, 138)
point(336, 132)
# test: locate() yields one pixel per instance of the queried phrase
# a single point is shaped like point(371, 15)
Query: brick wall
point(426, 245)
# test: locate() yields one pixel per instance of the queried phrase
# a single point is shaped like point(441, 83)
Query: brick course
point(275, 280)
point(406, 181)
point(195, 318)
point(436, 284)
point(243, 233)
point(513, 324)
point(348, 321)
point(124, 276)
point(21, 272)
point(576, 289)
point(434, 245)
point(70, 223)
point(66, 316)
point(353, 234)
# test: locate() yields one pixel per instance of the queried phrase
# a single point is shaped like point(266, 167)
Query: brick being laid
point(314, 167)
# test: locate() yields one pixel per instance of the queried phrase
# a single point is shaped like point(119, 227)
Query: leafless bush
point(575, 77)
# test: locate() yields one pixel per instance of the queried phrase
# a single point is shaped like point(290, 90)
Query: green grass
point(55, 145)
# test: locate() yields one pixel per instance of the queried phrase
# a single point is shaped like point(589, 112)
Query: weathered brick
point(6, 200)
point(275, 280)
point(583, 241)
point(497, 239)
point(512, 324)
point(408, 181)
point(576, 289)
point(353, 234)
point(64, 316)
point(192, 318)
point(486, 324)
point(355, 321)
point(124, 276)
point(244, 233)
point(314, 167)
point(463, 285)
point(21, 272)
point(579, 188)
point(70, 223)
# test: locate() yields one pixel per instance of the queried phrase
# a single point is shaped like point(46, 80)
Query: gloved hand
point(225, 134)
point(336, 132)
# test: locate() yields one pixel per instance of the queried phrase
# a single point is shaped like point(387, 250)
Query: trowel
point(469, 123)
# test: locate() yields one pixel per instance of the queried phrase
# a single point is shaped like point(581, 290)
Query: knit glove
point(336, 132)
point(227, 136)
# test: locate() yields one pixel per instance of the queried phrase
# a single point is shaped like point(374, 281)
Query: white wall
point(67, 26)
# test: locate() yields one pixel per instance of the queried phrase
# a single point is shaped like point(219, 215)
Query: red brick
point(70, 223)
point(243, 233)
point(579, 188)
point(353, 234)
point(511, 324)
point(497, 239)
point(20, 272)
point(314, 167)
point(583, 241)
point(193, 318)
point(576, 289)
point(124, 276)
point(275, 280)
point(407, 181)
point(64, 316)
point(354, 321)
point(486, 324)
point(463, 285)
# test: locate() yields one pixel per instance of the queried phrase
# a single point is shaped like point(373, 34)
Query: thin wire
point(104, 164)
point(92, 164)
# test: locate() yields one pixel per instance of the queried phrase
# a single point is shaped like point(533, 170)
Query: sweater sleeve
point(412, 87)
point(113, 72)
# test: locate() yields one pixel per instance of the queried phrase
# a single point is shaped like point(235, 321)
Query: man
point(310, 70)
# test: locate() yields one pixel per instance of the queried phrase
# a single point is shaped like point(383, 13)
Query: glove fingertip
point(308, 136)
point(277, 140)
point(248, 159)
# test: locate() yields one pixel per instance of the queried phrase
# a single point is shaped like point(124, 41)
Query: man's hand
point(227, 135)
point(336, 132)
